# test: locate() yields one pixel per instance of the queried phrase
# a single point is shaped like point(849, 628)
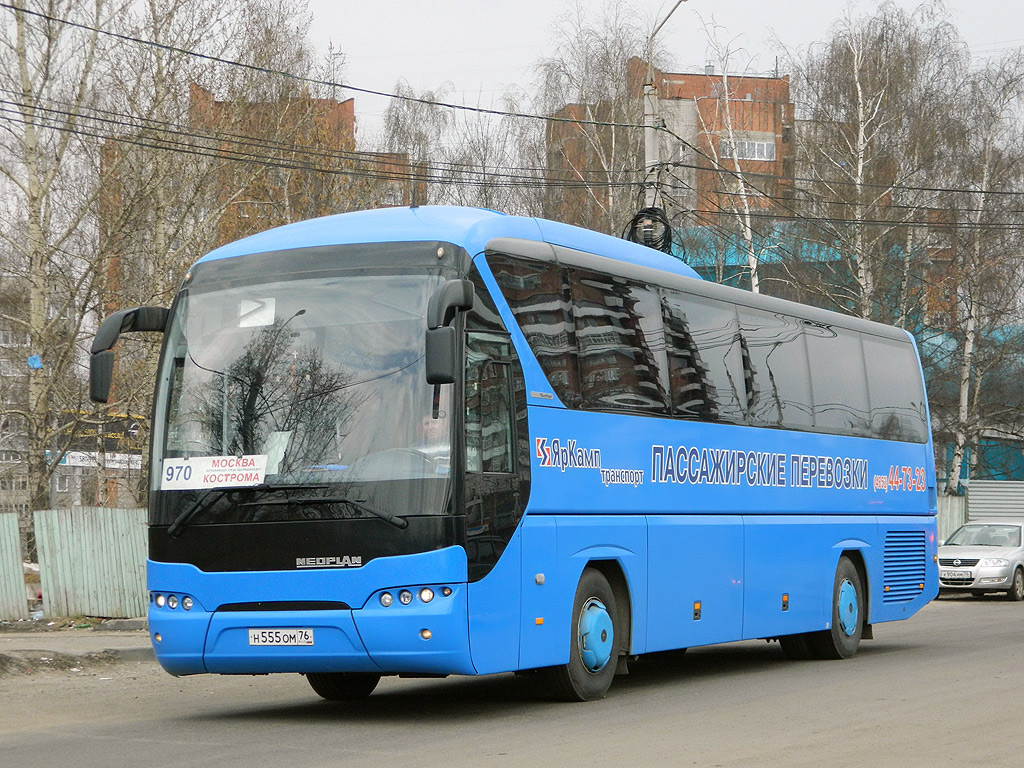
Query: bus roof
point(471, 228)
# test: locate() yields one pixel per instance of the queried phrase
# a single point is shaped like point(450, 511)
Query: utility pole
point(652, 121)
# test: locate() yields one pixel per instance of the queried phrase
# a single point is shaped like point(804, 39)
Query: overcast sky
point(482, 48)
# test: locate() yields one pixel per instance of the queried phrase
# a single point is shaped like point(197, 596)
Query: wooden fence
point(92, 561)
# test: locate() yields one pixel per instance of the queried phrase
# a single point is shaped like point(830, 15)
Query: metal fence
point(92, 561)
point(952, 514)
point(13, 602)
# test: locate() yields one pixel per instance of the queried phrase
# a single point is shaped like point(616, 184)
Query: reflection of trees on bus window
point(280, 386)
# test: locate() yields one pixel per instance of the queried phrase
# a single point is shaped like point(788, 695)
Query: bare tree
point(871, 142)
point(988, 259)
point(49, 180)
point(595, 149)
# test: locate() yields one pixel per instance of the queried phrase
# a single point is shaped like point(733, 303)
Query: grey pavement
point(37, 645)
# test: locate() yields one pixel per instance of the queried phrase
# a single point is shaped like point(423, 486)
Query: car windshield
point(314, 384)
point(985, 536)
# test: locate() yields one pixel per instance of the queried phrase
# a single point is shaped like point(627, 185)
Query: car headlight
point(994, 562)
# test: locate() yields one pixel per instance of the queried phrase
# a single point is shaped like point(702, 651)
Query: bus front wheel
point(343, 686)
point(840, 641)
point(593, 646)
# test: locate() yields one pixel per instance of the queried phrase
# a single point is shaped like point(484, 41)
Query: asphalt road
point(945, 688)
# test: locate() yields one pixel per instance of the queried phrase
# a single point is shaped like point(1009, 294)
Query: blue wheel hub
point(596, 637)
point(849, 612)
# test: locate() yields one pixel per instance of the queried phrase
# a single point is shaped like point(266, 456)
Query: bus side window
point(619, 336)
point(838, 380)
point(895, 391)
point(693, 393)
point(713, 329)
point(489, 429)
point(781, 380)
point(538, 295)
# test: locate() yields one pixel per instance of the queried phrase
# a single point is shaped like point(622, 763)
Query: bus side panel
point(543, 627)
point(904, 571)
point(494, 604)
point(578, 541)
point(696, 580)
point(790, 569)
point(619, 539)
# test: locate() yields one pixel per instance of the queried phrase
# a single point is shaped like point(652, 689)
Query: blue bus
point(440, 440)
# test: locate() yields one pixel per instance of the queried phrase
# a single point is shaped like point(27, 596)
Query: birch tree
point(988, 263)
point(595, 150)
point(49, 181)
point(872, 99)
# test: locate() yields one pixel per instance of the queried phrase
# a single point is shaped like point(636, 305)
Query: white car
point(984, 556)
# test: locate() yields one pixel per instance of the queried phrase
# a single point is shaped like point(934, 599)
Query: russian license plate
point(280, 637)
point(956, 574)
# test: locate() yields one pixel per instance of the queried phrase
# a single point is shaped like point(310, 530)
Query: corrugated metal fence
point(92, 561)
point(13, 604)
point(995, 499)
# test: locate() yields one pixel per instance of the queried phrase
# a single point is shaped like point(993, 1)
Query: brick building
point(710, 121)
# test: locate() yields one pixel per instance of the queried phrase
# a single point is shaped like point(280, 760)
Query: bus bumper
point(410, 636)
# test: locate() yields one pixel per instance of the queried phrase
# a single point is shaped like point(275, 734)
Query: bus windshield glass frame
point(282, 390)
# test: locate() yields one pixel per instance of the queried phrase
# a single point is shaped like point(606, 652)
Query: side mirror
point(441, 342)
point(442, 351)
point(101, 358)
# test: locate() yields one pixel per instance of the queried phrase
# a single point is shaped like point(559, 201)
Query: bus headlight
point(186, 603)
point(386, 599)
point(172, 602)
point(426, 594)
point(405, 597)
point(160, 601)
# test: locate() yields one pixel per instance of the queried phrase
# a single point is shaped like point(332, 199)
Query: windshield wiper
point(395, 520)
point(205, 501)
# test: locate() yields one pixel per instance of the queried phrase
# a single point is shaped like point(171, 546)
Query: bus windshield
point(314, 380)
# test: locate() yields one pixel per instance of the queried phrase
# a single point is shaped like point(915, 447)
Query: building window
point(10, 338)
point(749, 150)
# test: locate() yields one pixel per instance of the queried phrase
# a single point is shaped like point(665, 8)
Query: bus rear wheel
point(594, 643)
point(842, 638)
point(343, 686)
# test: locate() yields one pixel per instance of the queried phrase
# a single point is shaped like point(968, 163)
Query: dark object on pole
point(650, 227)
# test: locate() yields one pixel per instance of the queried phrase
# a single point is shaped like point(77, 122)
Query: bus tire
point(593, 642)
point(343, 686)
point(840, 641)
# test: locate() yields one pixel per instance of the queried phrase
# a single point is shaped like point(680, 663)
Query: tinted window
point(619, 336)
point(484, 315)
point(713, 329)
point(489, 419)
point(538, 295)
point(693, 394)
point(895, 391)
point(838, 381)
point(780, 384)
